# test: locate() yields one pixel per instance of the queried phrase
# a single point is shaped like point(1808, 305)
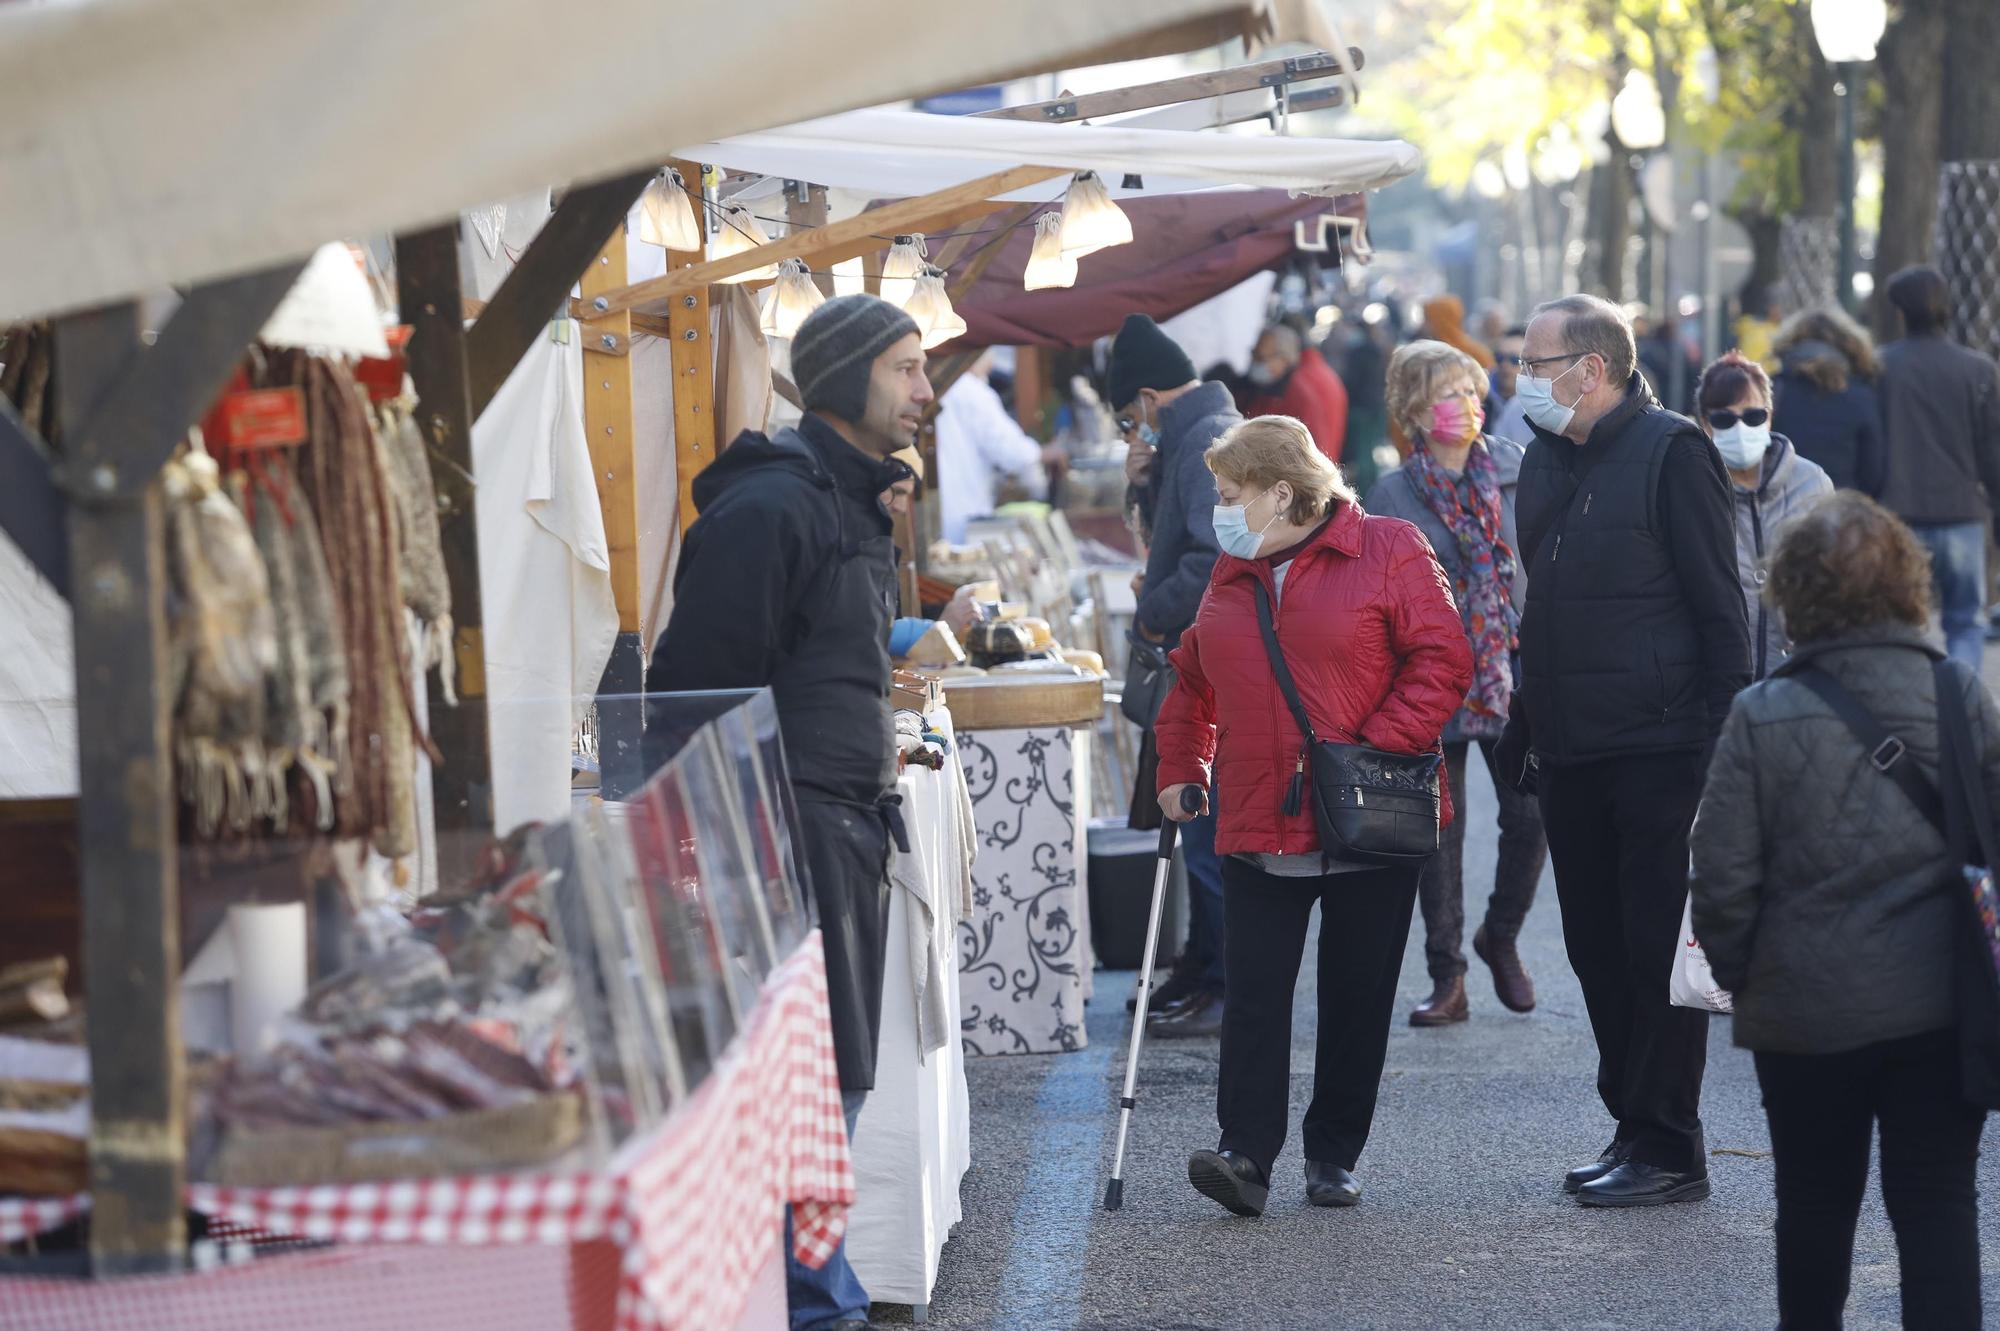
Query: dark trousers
point(1207, 924)
point(1823, 1109)
point(1363, 926)
point(846, 856)
point(1618, 832)
point(1441, 890)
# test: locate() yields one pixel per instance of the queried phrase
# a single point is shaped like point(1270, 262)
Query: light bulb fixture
point(930, 306)
point(792, 297)
point(1090, 220)
point(850, 278)
point(1637, 116)
point(1048, 266)
point(1848, 31)
point(666, 217)
point(738, 233)
point(908, 258)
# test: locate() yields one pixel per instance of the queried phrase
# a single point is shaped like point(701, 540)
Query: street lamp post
point(1639, 118)
point(1847, 32)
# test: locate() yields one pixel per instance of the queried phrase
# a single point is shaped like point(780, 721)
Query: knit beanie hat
point(1143, 356)
point(834, 352)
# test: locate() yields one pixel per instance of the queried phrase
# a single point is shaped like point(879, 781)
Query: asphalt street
point(1464, 1223)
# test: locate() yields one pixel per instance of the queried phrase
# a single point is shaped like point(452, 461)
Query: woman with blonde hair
point(1824, 397)
point(1457, 486)
point(1362, 618)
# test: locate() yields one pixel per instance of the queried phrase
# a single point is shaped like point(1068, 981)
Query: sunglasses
point(1753, 417)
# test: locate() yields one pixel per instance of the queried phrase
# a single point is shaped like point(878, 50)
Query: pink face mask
point(1454, 423)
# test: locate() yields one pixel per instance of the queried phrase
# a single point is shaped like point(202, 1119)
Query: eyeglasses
point(1544, 360)
point(1753, 417)
point(1507, 358)
point(1126, 424)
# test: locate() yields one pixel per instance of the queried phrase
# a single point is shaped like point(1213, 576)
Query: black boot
point(1197, 1018)
point(1614, 1156)
point(1330, 1185)
point(1231, 1179)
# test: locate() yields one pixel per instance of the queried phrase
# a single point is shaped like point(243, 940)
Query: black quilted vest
point(1610, 659)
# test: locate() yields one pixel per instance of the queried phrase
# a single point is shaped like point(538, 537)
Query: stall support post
point(693, 355)
point(428, 293)
point(125, 820)
point(607, 424)
point(805, 210)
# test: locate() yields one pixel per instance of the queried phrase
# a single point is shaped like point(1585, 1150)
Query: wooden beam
point(136, 427)
point(692, 353)
point(536, 290)
point(808, 214)
point(824, 245)
point(1188, 87)
point(125, 822)
point(607, 427)
point(430, 300)
point(33, 509)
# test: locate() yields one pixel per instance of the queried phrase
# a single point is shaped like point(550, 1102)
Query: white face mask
point(1743, 446)
point(1538, 400)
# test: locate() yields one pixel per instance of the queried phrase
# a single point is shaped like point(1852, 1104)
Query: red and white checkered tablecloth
point(692, 1207)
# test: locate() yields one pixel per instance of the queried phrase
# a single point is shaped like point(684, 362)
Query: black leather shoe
point(1198, 1018)
point(1635, 1183)
point(1330, 1185)
point(1182, 980)
point(1231, 1179)
point(1614, 1156)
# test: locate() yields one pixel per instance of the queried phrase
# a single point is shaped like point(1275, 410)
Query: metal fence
point(1808, 262)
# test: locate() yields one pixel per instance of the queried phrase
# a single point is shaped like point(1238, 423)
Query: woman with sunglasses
point(1772, 483)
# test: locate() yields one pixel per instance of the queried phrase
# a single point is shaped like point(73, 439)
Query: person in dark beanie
point(787, 580)
point(1941, 418)
point(1168, 419)
point(1634, 641)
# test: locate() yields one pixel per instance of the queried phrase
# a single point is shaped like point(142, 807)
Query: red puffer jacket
point(1368, 626)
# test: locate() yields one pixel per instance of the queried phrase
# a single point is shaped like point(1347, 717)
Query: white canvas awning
point(899, 154)
point(153, 142)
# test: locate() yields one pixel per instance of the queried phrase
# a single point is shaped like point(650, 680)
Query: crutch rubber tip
point(1114, 1194)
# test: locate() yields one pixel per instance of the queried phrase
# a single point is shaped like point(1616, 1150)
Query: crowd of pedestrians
point(1716, 633)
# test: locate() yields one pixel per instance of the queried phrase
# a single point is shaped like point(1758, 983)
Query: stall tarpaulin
point(1185, 248)
point(172, 141)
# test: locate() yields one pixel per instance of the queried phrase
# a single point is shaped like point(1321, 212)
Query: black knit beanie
point(1143, 356)
point(834, 352)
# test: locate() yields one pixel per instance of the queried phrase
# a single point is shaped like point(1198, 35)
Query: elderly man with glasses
point(1633, 644)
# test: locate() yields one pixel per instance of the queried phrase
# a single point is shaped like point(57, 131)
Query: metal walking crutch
point(1191, 801)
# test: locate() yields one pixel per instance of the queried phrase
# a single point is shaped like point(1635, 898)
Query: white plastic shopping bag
point(1692, 983)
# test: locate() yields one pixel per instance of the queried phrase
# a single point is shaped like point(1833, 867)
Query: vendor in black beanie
point(788, 581)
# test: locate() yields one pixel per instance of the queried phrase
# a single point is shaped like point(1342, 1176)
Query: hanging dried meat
point(426, 589)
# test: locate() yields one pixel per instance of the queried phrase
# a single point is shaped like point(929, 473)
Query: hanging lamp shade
point(908, 258)
point(850, 278)
point(792, 297)
point(1048, 266)
point(666, 216)
point(1090, 220)
point(930, 306)
point(738, 232)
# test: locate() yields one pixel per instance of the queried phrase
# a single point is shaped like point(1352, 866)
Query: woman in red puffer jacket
point(1366, 621)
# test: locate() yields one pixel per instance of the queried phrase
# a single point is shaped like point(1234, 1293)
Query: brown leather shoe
point(1510, 978)
point(1445, 1005)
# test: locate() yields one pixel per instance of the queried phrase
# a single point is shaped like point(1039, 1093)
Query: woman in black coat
point(1825, 398)
point(1824, 901)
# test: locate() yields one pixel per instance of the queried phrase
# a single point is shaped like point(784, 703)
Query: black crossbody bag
point(1371, 806)
point(1963, 815)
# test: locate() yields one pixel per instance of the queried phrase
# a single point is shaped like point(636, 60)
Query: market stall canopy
point(160, 142)
point(904, 153)
point(1185, 248)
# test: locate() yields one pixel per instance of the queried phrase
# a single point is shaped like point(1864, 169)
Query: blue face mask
point(1232, 530)
point(1538, 400)
point(1148, 435)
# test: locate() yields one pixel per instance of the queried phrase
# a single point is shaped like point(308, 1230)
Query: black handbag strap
point(1886, 753)
point(1963, 769)
point(1286, 685)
